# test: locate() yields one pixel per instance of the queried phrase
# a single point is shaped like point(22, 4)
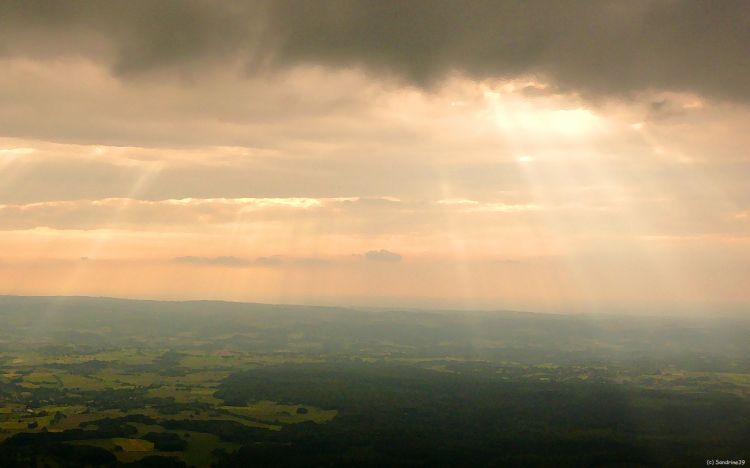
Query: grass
point(187, 392)
point(197, 453)
point(199, 444)
point(75, 381)
point(74, 420)
point(199, 448)
point(9, 409)
point(115, 378)
point(180, 395)
point(272, 412)
point(124, 455)
point(28, 385)
point(14, 425)
point(42, 379)
point(206, 372)
point(134, 445)
point(737, 379)
point(200, 415)
point(130, 356)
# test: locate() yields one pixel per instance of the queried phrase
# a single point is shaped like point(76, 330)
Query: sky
point(567, 156)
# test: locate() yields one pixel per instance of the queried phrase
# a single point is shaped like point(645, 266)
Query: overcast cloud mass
point(566, 155)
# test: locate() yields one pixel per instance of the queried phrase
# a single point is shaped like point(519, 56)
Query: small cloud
point(270, 261)
point(536, 90)
point(221, 260)
point(664, 109)
point(383, 255)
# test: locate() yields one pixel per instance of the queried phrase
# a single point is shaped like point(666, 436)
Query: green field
point(272, 412)
point(243, 384)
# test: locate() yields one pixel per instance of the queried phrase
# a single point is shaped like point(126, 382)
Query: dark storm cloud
point(132, 36)
point(597, 48)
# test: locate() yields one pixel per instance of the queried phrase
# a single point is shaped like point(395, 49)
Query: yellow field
point(45, 379)
point(123, 456)
point(14, 425)
point(8, 409)
point(74, 420)
point(134, 445)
